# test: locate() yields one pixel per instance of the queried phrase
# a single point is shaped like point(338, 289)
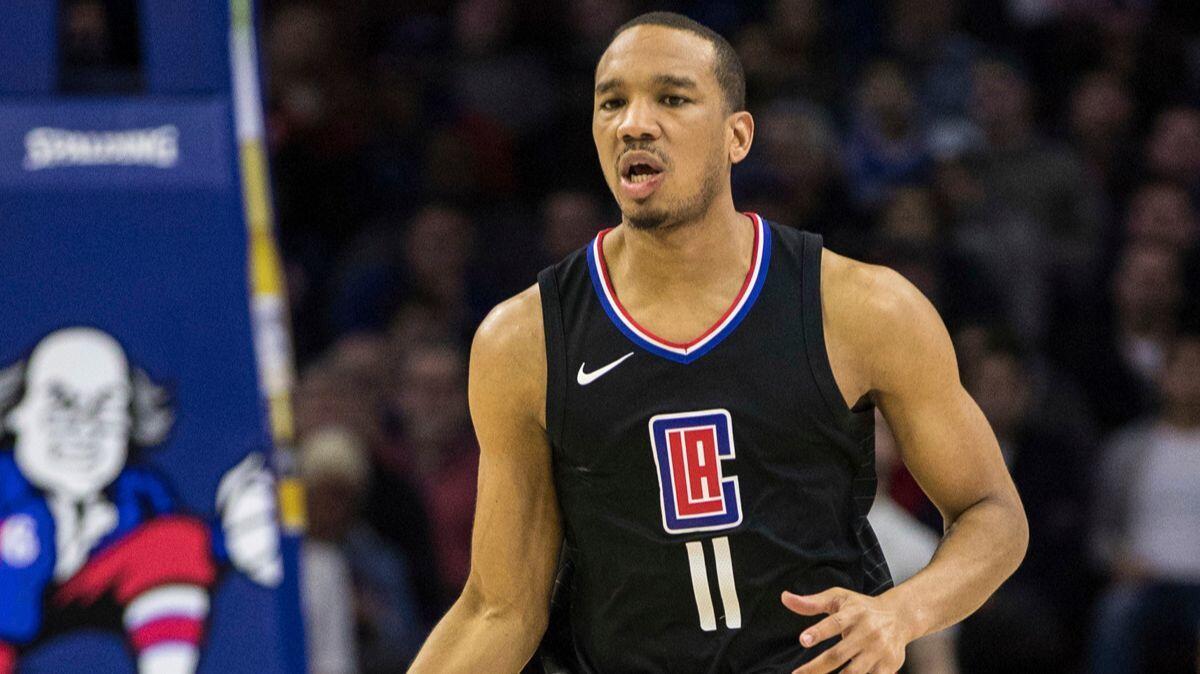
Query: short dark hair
point(727, 66)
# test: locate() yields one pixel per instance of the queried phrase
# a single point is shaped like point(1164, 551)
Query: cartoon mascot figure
point(86, 532)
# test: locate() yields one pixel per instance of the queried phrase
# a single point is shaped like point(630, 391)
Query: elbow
point(526, 623)
point(1018, 525)
point(1002, 521)
point(523, 617)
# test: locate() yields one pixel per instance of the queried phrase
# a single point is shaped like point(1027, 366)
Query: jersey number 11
point(725, 584)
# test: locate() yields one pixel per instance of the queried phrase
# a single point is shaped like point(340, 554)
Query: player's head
point(78, 404)
point(668, 118)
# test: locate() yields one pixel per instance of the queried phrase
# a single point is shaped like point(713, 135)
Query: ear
point(152, 414)
point(741, 135)
point(12, 379)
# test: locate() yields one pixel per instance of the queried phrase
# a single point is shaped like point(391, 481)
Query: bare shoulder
point(508, 355)
point(859, 294)
point(877, 323)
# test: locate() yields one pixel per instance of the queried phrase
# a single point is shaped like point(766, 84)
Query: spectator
point(925, 37)
point(326, 588)
point(1043, 606)
point(887, 144)
point(909, 237)
point(790, 53)
point(494, 77)
point(795, 176)
point(1038, 235)
point(334, 466)
point(427, 260)
point(438, 247)
point(1101, 123)
point(1119, 360)
point(1147, 532)
point(344, 390)
point(327, 395)
point(435, 451)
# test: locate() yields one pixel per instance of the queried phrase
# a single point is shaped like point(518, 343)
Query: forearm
point(473, 638)
point(979, 551)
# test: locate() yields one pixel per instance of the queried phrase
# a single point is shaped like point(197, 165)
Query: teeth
point(641, 177)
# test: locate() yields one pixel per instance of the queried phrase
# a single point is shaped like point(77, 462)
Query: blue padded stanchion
point(148, 518)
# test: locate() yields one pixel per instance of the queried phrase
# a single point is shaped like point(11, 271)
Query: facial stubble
point(686, 210)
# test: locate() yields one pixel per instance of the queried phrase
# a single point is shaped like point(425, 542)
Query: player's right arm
point(498, 620)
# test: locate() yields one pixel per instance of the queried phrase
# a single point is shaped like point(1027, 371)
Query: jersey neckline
point(716, 333)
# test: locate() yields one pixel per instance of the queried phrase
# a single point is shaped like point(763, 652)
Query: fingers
point(868, 644)
point(829, 627)
point(830, 660)
point(815, 604)
point(863, 665)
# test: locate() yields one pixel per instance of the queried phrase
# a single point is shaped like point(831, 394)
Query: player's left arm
point(887, 341)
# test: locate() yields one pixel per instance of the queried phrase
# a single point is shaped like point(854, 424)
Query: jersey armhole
point(556, 356)
point(814, 333)
point(856, 427)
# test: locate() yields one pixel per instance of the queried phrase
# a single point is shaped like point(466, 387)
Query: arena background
point(1032, 165)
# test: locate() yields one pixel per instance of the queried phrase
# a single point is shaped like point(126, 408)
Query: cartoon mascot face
point(74, 421)
point(84, 523)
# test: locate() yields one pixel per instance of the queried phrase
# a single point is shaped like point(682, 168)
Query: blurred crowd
point(1033, 166)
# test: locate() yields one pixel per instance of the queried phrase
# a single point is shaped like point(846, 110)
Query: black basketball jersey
point(698, 481)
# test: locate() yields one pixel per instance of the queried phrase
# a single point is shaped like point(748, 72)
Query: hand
point(246, 501)
point(872, 630)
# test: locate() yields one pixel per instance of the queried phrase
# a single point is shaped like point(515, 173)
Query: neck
point(684, 255)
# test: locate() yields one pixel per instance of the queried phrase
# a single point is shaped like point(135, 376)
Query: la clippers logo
point(688, 450)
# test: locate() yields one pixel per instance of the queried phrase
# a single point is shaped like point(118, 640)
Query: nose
point(639, 122)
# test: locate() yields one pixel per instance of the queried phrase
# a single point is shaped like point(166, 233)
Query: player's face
point(660, 125)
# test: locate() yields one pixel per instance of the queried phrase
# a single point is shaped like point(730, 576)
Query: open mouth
point(641, 173)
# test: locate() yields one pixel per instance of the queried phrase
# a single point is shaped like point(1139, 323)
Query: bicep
point(517, 533)
point(943, 436)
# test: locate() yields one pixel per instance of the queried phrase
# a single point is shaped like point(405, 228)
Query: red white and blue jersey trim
point(683, 353)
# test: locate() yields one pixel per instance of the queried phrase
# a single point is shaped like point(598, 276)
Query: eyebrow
point(608, 85)
point(675, 81)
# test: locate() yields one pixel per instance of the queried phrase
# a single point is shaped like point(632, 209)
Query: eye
point(673, 101)
point(101, 402)
point(612, 103)
point(61, 397)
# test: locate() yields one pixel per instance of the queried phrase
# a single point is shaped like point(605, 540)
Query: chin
point(645, 216)
point(646, 220)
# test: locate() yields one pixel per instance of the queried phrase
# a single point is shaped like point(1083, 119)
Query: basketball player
point(684, 408)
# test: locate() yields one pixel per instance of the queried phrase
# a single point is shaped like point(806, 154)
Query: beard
point(684, 210)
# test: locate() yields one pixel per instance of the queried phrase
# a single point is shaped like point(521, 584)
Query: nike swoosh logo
point(585, 378)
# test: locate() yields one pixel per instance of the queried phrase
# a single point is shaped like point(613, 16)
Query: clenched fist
point(249, 519)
